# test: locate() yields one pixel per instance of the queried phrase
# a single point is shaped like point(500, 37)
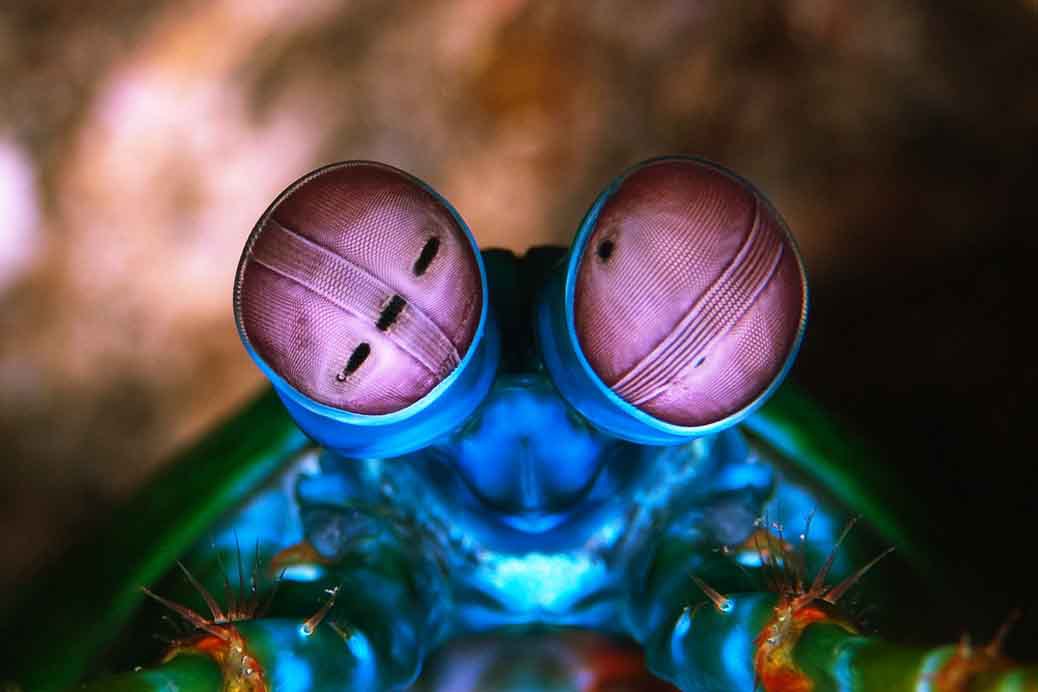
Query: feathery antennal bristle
point(818, 585)
point(253, 601)
point(764, 554)
point(720, 602)
point(228, 592)
point(345, 633)
point(995, 647)
point(241, 574)
point(780, 557)
point(765, 565)
point(265, 608)
point(214, 607)
point(837, 592)
point(188, 614)
point(802, 551)
point(314, 620)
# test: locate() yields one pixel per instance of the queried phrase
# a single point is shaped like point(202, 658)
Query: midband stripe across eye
point(356, 291)
point(710, 318)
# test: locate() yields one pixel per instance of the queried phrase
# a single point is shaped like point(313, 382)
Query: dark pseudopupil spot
point(428, 254)
point(605, 250)
point(389, 313)
point(357, 358)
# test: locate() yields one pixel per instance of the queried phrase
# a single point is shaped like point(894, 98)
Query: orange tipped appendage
point(773, 648)
point(216, 636)
point(799, 606)
point(967, 662)
point(314, 621)
point(241, 670)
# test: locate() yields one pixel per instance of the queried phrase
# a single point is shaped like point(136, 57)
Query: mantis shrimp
point(461, 445)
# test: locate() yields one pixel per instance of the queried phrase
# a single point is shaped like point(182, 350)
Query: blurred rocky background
point(141, 139)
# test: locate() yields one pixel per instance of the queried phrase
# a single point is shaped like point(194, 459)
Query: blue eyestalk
point(440, 411)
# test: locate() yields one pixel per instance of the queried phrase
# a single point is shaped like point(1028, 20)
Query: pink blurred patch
point(20, 240)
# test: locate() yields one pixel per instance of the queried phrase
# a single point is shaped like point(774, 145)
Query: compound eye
point(690, 296)
point(360, 288)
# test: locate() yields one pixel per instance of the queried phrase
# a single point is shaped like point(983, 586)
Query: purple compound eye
point(360, 288)
point(690, 296)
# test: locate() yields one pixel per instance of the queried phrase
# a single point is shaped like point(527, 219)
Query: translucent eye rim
point(484, 331)
point(594, 398)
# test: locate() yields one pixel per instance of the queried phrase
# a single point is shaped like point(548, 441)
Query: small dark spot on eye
point(605, 250)
point(389, 314)
point(357, 358)
point(427, 255)
point(699, 362)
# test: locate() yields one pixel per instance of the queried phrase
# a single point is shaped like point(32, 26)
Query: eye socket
point(360, 253)
point(704, 307)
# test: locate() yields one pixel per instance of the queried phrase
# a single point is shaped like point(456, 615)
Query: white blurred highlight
point(171, 168)
point(20, 239)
